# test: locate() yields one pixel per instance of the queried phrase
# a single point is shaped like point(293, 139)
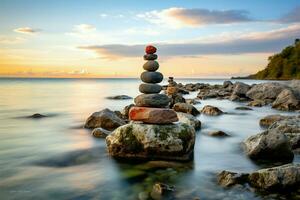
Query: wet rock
point(37, 116)
point(149, 88)
point(100, 133)
point(151, 77)
point(228, 179)
point(243, 108)
point(186, 108)
point(119, 97)
point(126, 109)
point(152, 100)
point(193, 101)
point(189, 119)
point(286, 101)
point(106, 119)
point(240, 89)
point(152, 142)
point(227, 84)
point(211, 110)
point(153, 115)
point(270, 119)
point(285, 177)
point(151, 65)
point(207, 94)
point(176, 98)
point(218, 134)
point(265, 91)
point(162, 191)
point(269, 145)
point(257, 103)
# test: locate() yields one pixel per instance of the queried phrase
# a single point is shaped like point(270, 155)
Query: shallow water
point(54, 158)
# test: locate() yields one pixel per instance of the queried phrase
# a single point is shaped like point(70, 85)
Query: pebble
point(149, 88)
point(150, 57)
point(151, 65)
point(150, 49)
point(151, 77)
point(152, 100)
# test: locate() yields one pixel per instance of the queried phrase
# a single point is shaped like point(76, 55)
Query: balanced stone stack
point(151, 107)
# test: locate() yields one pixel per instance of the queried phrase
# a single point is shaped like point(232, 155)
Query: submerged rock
point(257, 103)
point(152, 142)
point(162, 191)
point(270, 119)
point(193, 101)
point(100, 133)
point(243, 108)
point(270, 145)
point(275, 179)
point(186, 108)
point(106, 119)
point(211, 110)
point(119, 97)
point(218, 134)
point(37, 116)
point(189, 119)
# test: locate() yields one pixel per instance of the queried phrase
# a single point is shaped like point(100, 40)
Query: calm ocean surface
point(53, 158)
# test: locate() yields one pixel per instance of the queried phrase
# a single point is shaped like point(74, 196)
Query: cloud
point(27, 30)
point(178, 17)
point(291, 17)
point(11, 40)
point(255, 42)
point(84, 28)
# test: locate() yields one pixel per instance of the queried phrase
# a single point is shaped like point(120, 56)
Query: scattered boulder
point(265, 91)
point(186, 108)
point(211, 110)
point(189, 119)
point(162, 191)
point(106, 119)
point(286, 101)
point(37, 116)
point(240, 89)
point(218, 134)
point(270, 119)
point(275, 179)
point(269, 145)
point(257, 103)
point(243, 108)
point(119, 97)
point(100, 133)
point(176, 98)
point(227, 84)
point(193, 101)
point(152, 142)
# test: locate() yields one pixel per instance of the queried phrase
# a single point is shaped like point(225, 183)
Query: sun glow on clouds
point(27, 30)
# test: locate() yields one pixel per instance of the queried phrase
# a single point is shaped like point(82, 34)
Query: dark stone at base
point(151, 77)
point(152, 100)
point(149, 88)
point(150, 57)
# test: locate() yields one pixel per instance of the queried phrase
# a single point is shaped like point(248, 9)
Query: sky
point(106, 39)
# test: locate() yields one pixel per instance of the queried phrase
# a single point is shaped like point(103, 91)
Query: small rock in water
point(150, 49)
point(151, 77)
point(119, 97)
point(270, 119)
point(100, 133)
point(153, 115)
point(149, 88)
point(151, 65)
point(243, 108)
point(211, 110)
point(218, 134)
point(228, 179)
point(186, 108)
point(152, 100)
point(162, 191)
point(189, 119)
point(257, 103)
point(37, 116)
point(150, 57)
point(193, 101)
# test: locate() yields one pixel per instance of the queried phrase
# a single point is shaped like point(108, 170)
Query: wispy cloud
point(11, 40)
point(27, 30)
point(179, 17)
point(291, 17)
point(254, 42)
point(84, 28)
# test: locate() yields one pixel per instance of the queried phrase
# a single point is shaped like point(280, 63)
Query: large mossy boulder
point(106, 119)
point(152, 142)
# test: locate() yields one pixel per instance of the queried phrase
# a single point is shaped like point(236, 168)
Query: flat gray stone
point(151, 77)
point(150, 57)
point(152, 100)
point(151, 65)
point(149, 88)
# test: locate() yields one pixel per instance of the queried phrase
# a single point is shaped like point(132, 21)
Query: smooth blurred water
point(54, 158)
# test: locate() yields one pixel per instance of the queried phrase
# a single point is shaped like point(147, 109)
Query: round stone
point(152, 100)
point(150, 49)
point(150, 57)
point(151, 77)
point(151, 65)
point(149, 88)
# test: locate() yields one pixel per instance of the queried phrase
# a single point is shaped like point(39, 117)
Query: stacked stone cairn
point(151, 107)
point(151, 134)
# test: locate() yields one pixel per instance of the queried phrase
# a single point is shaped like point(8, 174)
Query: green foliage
point(284, 65)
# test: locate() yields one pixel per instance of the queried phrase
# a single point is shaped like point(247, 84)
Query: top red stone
point(150, 49)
